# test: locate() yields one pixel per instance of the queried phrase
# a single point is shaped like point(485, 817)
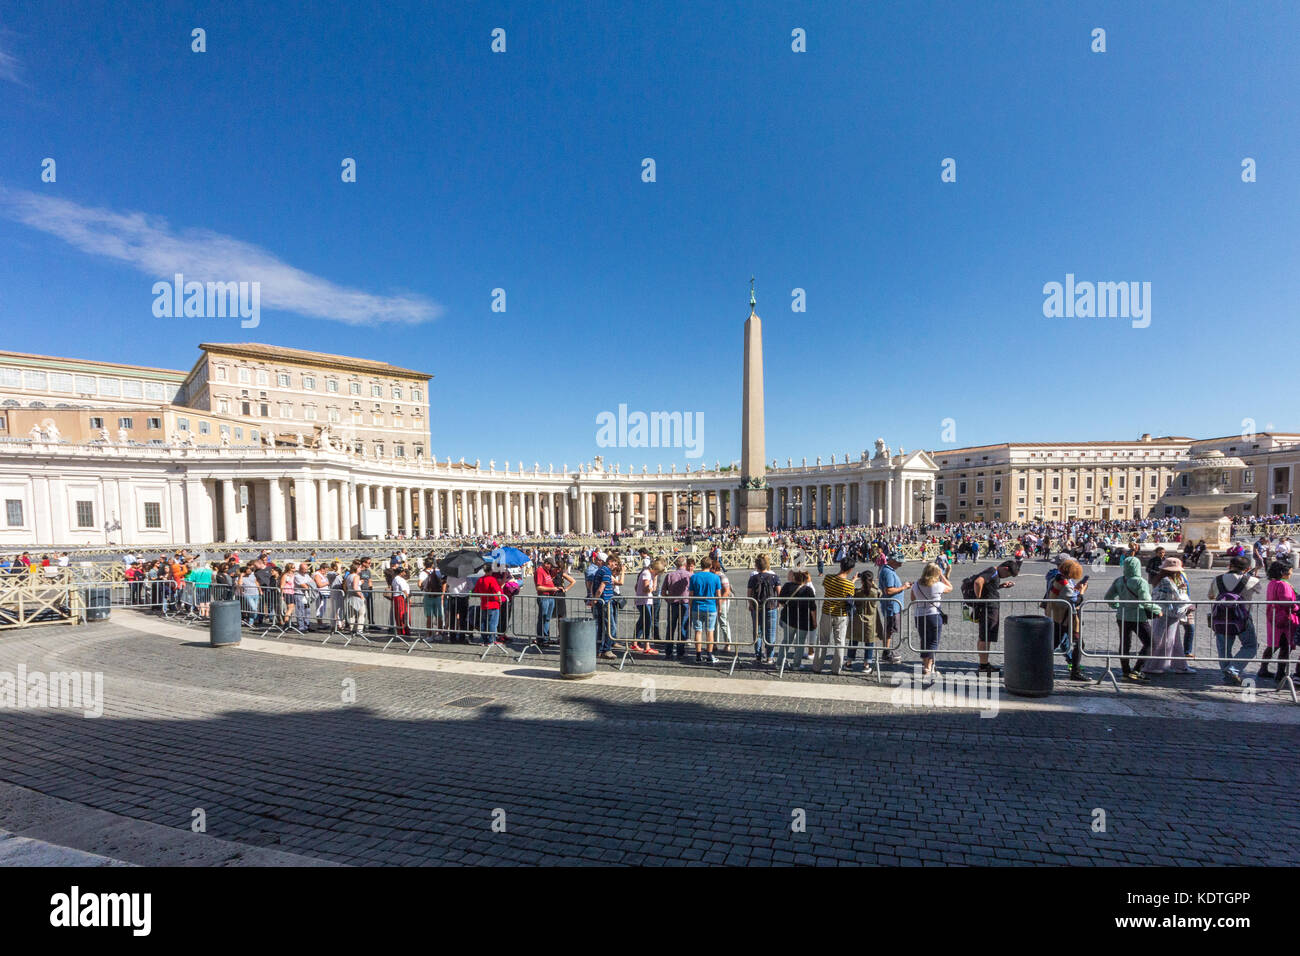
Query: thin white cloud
point(10, 68)
point(149, 244)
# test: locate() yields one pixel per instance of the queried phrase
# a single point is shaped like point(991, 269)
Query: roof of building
point(1166, 440)
point(76, 362)
point(257, 350)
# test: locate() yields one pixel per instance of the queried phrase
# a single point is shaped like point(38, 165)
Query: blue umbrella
point(508, 556)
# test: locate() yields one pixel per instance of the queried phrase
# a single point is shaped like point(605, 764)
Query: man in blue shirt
point(891, 585)
point(704, 588)
point(600, 580)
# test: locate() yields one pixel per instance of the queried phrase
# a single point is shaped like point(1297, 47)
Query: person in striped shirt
point(834, 628)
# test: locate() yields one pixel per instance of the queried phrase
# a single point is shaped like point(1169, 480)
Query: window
point(153, 424)
point(264, 410)
point(153, 391)
point(126, 423)
point(110, 387)
point(14, 512)
point(309, 413)
point(96, 422)
point(85, 514)
point(1248, 476)
point(997, 485)
point(399, 450)
point(245, 408)
point(979, 487)
point(379, 418)
point(152, 514)
point(397, 392)
point(263, 377)
point(34, 380)
point(286, 411)
point(417, 395)
point(1038, 483)
point(1022, 485)
point(132, 389)
point(1074, 482)
point(309, 383)
point(379, 449)
point(333, 414)
point(376, 391)
point(332, 385)
point(182, 424)
point(225, 430)
point(205, 428)
point(282, 380)
point(221, 373)
point(223, 406)
point(961, 487)
point(356, 417)
point(85, 385)
point(244, 376)
point(419, 451)
point(1056, 482)
point(60, 382)
point(12, 378)
point(354, 388)
point(239, 434)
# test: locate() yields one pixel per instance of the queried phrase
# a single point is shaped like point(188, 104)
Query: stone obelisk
point(753, 484)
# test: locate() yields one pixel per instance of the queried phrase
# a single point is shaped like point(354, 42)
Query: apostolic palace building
point(263, 443)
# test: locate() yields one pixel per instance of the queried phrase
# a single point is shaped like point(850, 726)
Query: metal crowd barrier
point(1106, 638)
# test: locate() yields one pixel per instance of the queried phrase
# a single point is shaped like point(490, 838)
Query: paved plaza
point(435, 757)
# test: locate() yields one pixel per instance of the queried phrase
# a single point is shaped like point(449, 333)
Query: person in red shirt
point(547, 592)
point(489, 613)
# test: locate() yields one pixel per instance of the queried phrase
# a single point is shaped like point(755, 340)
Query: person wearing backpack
point(982, 591)
point(1230, 617)
point(1283, 620)
point(1130, 597)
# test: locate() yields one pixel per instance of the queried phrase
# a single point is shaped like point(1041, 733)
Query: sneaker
point(893, 657)
point(1135, 676)
point(698, 658)
point(868, 670)
point(609, 656)
point(712, 659)
point(1232, 678)
point(1080, 676)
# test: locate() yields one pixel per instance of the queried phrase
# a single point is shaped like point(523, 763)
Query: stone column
point(228, 493)
point(321, 490)
point(304, 493)
point(275, 503)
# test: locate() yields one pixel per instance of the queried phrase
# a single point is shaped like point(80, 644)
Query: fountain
point(1202, 504)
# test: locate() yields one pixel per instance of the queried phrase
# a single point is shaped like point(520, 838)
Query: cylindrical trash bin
point(1027, 663)
point(223, 624)
point(577, 648)
point(98, 603)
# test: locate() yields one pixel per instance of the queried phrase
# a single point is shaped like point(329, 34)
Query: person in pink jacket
point(1283, 619)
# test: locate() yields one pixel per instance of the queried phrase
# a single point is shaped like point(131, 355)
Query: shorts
point(704, 619)
point(987, 627)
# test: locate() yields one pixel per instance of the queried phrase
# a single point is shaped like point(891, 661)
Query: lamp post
point(615, 507)
point(924, 496)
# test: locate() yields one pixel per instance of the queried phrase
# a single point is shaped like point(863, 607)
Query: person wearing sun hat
point(1171, 593)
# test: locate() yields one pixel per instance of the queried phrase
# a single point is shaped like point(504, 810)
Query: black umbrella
point(461, 564)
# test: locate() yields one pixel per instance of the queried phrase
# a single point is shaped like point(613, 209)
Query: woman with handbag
point(1176, 607)
point(927, 615)
point(1130, 596)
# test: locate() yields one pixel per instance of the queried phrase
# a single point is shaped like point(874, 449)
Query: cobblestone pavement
point(420, 767)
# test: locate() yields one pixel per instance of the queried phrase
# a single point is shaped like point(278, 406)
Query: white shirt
point(925, 598)
point(1230, 579)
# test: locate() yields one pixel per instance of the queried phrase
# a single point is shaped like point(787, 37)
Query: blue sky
point(816, 170)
